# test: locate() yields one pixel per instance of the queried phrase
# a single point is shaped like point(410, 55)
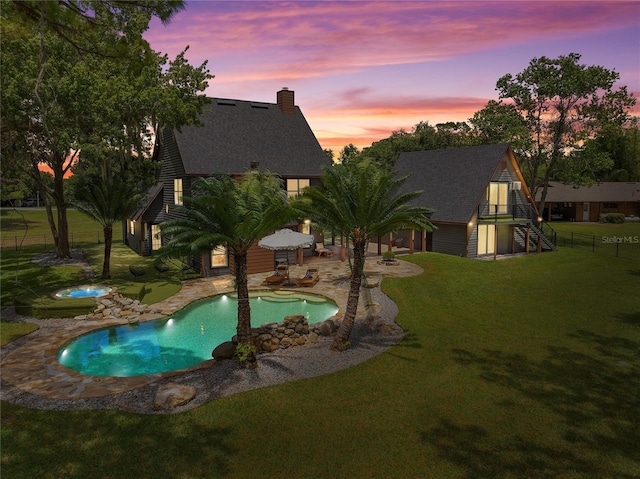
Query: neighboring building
point(482, 206)
point(236, 136)
point(587, 203)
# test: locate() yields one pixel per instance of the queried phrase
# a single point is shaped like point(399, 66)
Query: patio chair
point(321, 250)
point(310, 278)
point(281, 273)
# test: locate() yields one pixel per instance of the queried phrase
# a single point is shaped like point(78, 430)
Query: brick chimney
point(285, 102)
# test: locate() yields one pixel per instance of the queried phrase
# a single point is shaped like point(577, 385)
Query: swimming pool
point(86, 291)
point(186, 338)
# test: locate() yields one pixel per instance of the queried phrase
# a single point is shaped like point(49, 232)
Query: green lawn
point(20, 279)
point(619, 240)
point(521, 368)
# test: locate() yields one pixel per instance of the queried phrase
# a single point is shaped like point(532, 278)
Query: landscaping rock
point(224, 351)
point(172, 395)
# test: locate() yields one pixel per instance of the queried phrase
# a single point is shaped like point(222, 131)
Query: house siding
point(472, 242)
point(450, 239)
point(504, 241)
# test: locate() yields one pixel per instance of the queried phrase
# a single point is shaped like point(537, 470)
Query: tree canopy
point(360, 201)
point(103, 95)
point(223, 212)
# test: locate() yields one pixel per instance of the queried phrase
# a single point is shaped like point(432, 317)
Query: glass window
point(156, 241)
point(219, 257)
point(177, 191)
point(486, 239)
point(132, 227)
point(497, 196)
point(296, 185)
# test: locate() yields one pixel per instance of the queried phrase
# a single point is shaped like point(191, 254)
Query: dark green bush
point(161, 267)
point(617, 218)
point(137, 270)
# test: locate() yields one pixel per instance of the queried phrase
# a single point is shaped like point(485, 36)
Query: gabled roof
point(237, 133)
point(453, 181)
point(151, 195)
point(598, 192)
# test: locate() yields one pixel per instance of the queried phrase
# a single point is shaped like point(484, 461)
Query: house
point(482, 206)
point(587, 203)
point(236, 136)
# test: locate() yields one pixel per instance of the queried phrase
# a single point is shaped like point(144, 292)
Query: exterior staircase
point(536, 237)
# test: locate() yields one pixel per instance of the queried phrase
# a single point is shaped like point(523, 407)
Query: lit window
point(132, 227)
point(497, 196)
point(486, 239)
point(156, 241)
point(177, 191)
point(219, 257)
point(296, 185)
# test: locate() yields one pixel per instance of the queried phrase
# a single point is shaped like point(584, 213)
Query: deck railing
point(497, 212)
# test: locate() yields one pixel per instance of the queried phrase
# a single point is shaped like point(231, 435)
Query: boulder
point(224, 351)
point(172, 395)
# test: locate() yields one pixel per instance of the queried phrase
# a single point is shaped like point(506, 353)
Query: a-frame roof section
point(238, 133)
point(453, 181)
point(151, 195)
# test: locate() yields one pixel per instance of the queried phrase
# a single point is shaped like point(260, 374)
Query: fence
point(627, 247)
point(46, 240)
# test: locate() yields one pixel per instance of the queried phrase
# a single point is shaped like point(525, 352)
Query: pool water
point(186, 338)
point(87, 291)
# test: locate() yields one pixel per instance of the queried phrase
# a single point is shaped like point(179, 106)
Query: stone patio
point(33, 366)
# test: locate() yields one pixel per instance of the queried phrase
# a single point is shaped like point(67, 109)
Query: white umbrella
point(286, 239)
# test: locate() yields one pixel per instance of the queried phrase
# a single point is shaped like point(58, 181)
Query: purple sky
point(361, 70)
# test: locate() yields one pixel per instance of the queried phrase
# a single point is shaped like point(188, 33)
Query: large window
point(219, 257)
point(177, 191)
point(296, 185)
point(156, 241)
point(486, 239)
point(498, 198)
point(132, 227)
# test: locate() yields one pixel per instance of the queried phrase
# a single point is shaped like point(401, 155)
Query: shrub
point(161, 267)
point(388, 255)
point(617, 218)
point(137, 270)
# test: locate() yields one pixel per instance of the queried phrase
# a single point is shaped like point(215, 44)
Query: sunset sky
point(361, 70)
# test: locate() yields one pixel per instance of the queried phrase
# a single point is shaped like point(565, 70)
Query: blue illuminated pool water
point(186, 338)
point(87, 291)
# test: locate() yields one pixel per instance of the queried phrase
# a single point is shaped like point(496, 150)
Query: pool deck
point(34, 368)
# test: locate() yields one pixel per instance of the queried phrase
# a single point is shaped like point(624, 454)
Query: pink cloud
point(308, 39)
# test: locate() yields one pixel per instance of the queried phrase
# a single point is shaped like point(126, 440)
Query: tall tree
point(107, 204)
point(563, 102)
point(61, 100)
point(235, 215)
point(361, 201)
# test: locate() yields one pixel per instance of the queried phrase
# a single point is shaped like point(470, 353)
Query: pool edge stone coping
point(34, 368)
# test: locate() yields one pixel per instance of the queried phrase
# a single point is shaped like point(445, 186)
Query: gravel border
point(368, 339)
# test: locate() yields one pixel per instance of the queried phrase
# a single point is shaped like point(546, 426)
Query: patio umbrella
point(287, 240)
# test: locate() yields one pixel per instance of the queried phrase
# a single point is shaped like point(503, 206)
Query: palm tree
point(225, 213)
point(361, 201)
point(108, 203)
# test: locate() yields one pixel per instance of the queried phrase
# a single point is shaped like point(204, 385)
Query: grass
point(620, 240)
point(597, 229)
point(24, 282)
point(522, 368)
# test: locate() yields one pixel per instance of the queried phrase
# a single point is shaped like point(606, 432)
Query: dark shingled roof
point(237, 133)
point(453, 181)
